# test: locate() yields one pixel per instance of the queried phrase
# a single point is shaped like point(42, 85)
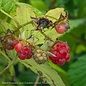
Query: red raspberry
point(60, 29)
point(25, 53)
point(60, 53)
point(18, 47)
point(63, 45)
point(21, 56)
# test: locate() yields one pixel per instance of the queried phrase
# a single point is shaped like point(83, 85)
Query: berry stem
point(17, 29)
point(10, 17)
point(76, 37)
point(55, 42)
point(38, 78)
point(9, 65)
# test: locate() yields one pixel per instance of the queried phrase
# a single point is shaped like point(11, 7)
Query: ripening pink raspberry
point(60, 53)
point(60, 29)
point(18, 47)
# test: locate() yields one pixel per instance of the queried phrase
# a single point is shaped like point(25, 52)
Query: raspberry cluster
point(23, 51)
point(60, 53)
point(26, 48)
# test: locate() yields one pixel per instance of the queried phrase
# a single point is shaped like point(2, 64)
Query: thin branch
point(38, 78)
point(76, 37)
point(9, 65)
point(17, 29)
point(19, 26)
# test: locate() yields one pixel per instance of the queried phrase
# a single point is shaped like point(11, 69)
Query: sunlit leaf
point(23, 14)
point(54, 14)
point(8, 6)
point(49, 74)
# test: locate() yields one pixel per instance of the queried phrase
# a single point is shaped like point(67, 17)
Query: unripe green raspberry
point(40, 56)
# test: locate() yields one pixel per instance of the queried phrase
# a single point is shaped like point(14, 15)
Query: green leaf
point(12, 53)
point(6, 5)
point(25, 74)
point(74, 23)
point(61, 72)
point(49, 74)
point(56, 67)
point(80, 48)
point(77, 72)
point(4, 55)
point(39, 5)
point(23, 14)
point(4, 26)
point(54, 14)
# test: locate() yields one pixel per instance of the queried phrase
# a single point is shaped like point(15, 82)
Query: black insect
point(42, 23)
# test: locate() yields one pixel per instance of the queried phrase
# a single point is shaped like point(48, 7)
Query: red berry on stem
point(60, 29)
point(18, 47)
point(25, 53)
point(21, 56)
point(60, 53)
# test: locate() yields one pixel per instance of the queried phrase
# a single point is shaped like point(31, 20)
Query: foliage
point(15, 13)
point(77, 72)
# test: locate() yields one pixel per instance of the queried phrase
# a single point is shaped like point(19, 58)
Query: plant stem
point(76, 37)
point(10, 17)
point(17, 29)
point(19, 26)
point(38, 78)
point(9, 65)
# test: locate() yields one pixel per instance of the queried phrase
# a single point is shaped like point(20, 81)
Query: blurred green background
point(76, 38)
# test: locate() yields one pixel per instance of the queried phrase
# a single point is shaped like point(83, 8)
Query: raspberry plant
point(26, 49)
